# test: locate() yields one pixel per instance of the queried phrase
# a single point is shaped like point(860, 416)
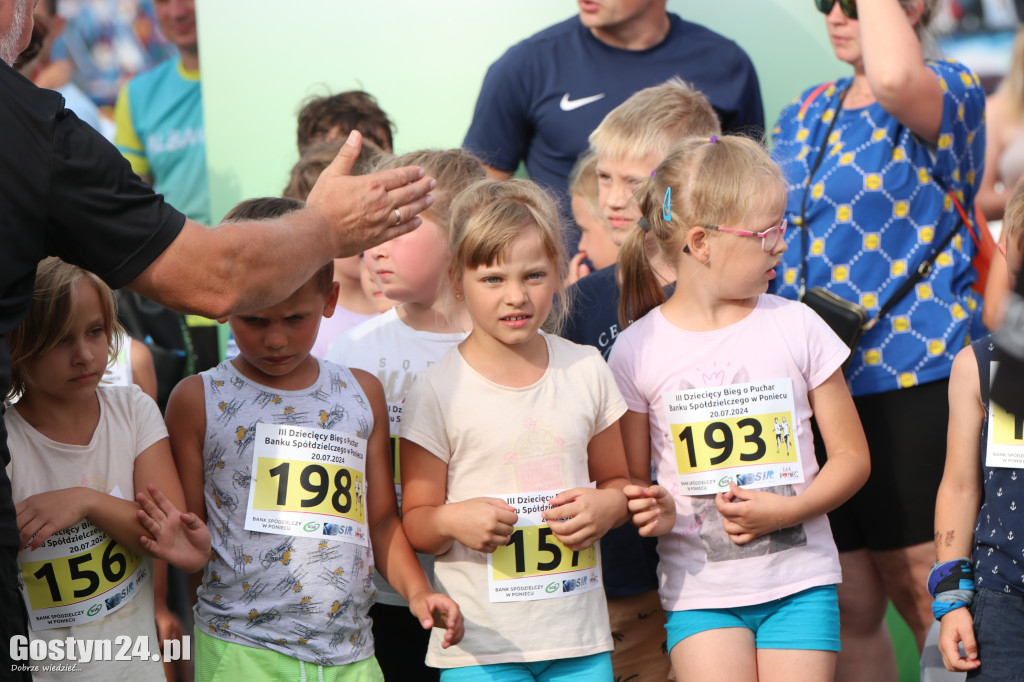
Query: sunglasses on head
point(849, 7)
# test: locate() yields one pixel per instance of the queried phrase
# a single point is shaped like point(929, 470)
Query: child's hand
point(435, 610)
point(653, 509)
point(589, 514)
point(42, 515)
point(482, 523)
point(577, 269)
point(749, 514)
point(178, 538)
point(168, 625)
point(957, 627)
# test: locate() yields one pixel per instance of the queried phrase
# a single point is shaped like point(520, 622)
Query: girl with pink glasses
point(748, 569)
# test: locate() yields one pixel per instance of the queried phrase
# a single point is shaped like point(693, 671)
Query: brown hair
point(490, 214)
point(319, 156)
point(652, 120)
point(270, 208)
point(453, 169)
point(715, 183)
point(49, 317)
point(321, 118)
point(583, 181)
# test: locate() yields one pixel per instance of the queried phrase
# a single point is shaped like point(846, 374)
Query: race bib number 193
point(535, 565)
point(741, 432)
point(309, 483)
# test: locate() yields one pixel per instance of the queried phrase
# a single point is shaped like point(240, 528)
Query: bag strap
point(802, 220)
point(922, 270)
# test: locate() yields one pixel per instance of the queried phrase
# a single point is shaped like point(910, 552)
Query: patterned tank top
point(305, 597)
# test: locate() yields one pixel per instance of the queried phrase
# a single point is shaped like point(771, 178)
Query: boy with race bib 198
point(286, 457)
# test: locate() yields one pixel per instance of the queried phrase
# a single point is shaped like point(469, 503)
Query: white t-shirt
point(779, 341)
point(497, 441)
point(332, 328)
point(129, 423)
point(394, 352)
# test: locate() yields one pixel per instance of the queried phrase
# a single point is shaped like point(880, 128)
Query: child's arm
point(392, 553)
point(748, 514)
point(958, 500)
point(186, 426)
point(482, 523)
point(652, 506)
point(589, 513)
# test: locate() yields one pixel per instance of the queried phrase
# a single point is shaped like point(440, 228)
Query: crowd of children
point(469, 396)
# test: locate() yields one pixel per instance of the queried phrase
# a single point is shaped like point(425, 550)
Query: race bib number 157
point(534, 564)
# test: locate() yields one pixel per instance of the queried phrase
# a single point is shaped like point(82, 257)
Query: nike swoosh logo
point(569, 104)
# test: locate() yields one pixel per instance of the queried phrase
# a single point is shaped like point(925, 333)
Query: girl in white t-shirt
point(748, 570)
point(84, 465)
point(512, 460)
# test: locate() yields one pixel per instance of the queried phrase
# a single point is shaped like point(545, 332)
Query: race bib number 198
point(308, 482)
point(535, 565)
point(740, 432)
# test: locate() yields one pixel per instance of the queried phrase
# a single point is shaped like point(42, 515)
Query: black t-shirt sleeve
point(100, 215)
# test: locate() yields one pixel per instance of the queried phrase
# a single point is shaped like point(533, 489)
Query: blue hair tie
point(666, 205)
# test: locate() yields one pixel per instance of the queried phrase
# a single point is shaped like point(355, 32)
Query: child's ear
point(699, 244)
point(332, 299)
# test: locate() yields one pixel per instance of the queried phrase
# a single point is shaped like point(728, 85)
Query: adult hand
point(361, 210)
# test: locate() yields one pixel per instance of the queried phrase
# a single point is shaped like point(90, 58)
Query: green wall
point(424, 62)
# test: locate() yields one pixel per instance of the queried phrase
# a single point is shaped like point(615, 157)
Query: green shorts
point(220, 661)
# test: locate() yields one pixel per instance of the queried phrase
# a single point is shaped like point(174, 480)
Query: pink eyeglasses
point(770, 238)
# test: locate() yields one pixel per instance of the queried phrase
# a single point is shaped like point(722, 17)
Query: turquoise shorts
point(217, 660)
point(805, 620)
point(597, 667)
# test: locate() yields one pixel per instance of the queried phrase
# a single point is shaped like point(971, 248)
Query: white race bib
point(535, 565)
point(1005, 434)
point(309, 483)
point(78, 575)
point(741, 432)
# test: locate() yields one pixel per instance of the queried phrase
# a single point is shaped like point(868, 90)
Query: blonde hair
point(1012, 86)
point(651, 121)
point(490, 214)
point(712, 183)
point(583, 181)
point(1013, 219)
point(453, 169)
point(49, 317)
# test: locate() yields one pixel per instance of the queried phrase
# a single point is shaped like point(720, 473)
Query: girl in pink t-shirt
point(747, 564)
